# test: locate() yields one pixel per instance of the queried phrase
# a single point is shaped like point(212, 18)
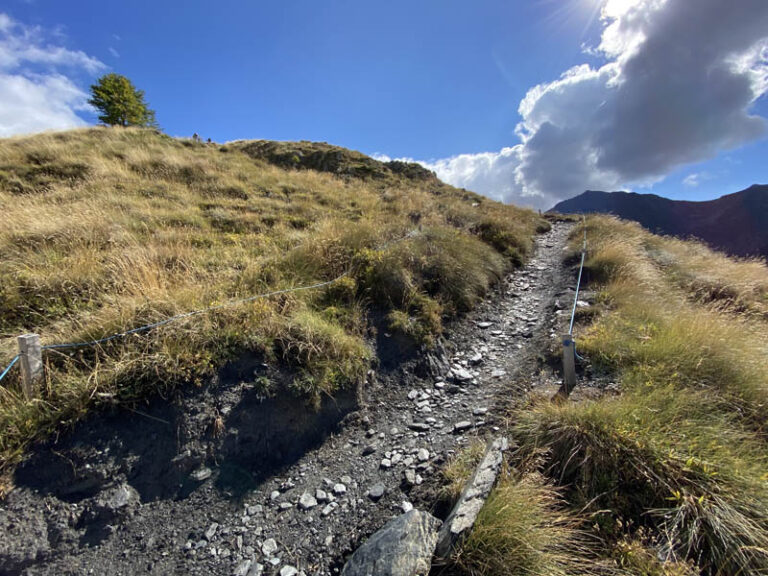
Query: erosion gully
point(228, 480)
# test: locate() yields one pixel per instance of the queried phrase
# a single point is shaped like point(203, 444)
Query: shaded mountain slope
point(736, 223)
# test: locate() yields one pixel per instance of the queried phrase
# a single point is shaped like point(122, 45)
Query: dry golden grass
point(680, 455)
point(523, 530)
point(109, 229)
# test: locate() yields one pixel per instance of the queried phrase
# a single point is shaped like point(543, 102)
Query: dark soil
point(232, 478)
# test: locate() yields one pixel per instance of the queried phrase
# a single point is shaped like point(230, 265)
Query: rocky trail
point(224, 480)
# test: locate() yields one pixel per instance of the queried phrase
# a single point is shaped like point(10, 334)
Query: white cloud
point(692, 180)
point(676, 87)
point(114, 52)
point(35, 92)
point(696, 178)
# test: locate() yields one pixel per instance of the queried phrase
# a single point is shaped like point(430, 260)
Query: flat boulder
point(462, 518)
point(402, 547)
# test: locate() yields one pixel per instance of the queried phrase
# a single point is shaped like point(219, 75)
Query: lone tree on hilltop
point(120, 103)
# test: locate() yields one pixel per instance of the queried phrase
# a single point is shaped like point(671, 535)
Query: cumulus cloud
point(37, 89)
point(676, 86)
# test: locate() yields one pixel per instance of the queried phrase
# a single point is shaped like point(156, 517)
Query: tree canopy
point(120, 102)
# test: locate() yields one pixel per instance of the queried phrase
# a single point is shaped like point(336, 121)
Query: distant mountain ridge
point(735, 223)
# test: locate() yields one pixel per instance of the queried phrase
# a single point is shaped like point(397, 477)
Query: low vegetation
point(109, 229)
point(522, 530)
point(668, 476)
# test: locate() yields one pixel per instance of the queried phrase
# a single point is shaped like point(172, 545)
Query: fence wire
point(229, 303)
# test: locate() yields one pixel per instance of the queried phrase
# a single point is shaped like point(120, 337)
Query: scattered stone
point(243, 568)
point(422, 455)
point(461, 374)
point(413, 394)
point(369, 449)
point(274, 495)
point(307, 501)
point(118, 500)
point(376, 492)
point(211, 532)
point(403, 547)
point(480, 411)
point(256, 569)
point(406, 506)
point(321, 495)
point(484, 325)
point(409, 477)
point(339, 489)
point(201, 474)
point(269, 547)
point(419, 427)
point(330, 507)
point(439, 385)
point(386, 463)
point(346, 480)
point(285, 506)
point(462, 426)
point(288, 571)
point(476, 358)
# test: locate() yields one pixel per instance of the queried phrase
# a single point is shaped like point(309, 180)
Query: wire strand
point(229, 303)
point(8, 368)
point(578, 281)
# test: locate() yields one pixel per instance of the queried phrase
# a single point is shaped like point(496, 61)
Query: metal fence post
point(31, 359)
point(569, 366)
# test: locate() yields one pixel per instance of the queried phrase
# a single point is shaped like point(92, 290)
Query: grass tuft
point(522, 530)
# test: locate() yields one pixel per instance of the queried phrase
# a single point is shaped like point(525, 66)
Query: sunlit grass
point(108, 229)
point(680, 455)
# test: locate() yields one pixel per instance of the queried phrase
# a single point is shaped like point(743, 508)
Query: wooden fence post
point(569, 366)
point(31, 359)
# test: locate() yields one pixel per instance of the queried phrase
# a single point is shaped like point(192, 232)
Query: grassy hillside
point(669, 476)
point(108, 229)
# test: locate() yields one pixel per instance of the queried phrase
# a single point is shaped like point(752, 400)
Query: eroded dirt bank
point(224, 481)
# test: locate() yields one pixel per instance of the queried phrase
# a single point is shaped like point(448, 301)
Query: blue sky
point(435, 81)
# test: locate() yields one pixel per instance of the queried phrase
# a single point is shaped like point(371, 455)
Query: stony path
point(382, 462)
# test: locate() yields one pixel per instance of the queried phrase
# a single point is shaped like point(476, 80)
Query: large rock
point(464, 514)
point(403, 547)
point(119, 500)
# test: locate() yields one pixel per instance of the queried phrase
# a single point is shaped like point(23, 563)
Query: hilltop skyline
point(528, 103)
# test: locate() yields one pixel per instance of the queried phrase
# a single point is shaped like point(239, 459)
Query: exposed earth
point(226, 479)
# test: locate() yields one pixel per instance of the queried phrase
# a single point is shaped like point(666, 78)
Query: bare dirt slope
point(226, 480)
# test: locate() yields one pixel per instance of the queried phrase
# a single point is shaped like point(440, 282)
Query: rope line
point(8, 368)
point(200, 311)
point(578, 281)
point(190, 314)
